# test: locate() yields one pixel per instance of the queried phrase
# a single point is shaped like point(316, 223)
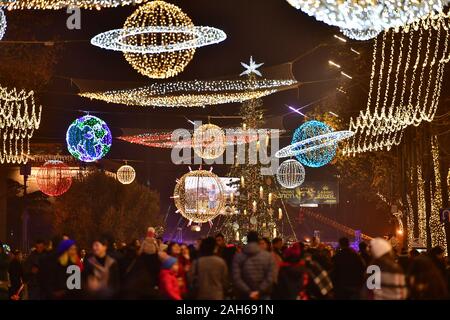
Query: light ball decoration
point(325, 151)
point(54, 178)
point(199, 196)
point(61, 4)
point(209, 141)
point(291, 174)
point(88, 138)
point(126, 174)
point(161, 65)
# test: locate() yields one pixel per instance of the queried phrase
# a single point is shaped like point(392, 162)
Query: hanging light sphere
point(209, 141)
point(126, 174)
point(199, 196)
point(161, 65)
point(54, 178)
point(322, 151)
point(88, 139)
point(291, 174)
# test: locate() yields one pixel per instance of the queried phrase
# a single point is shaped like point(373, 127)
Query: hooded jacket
point(253, 271)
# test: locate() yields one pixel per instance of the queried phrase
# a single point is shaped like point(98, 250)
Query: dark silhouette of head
point(362, 247)
point(344, 243)
point(207, 247)
point(252, 236)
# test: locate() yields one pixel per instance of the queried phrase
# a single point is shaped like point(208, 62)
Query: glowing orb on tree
point(88, 139)
point(54, 178)
point(126, 174)
point(209, 141)
point(199, 196)
point(291, 174)
point(325, 151)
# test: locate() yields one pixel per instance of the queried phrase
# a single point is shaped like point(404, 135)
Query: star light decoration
point(19, 118)
point(193, 93)
point(61, 4)
point(251, 68)
point(364, 19)
point(405, 84)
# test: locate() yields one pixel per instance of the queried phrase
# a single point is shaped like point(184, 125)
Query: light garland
point(381, 125)
point(126, 174)
point(361, 19)
point(116, 39)
point(291, 174)
point(88, 139)
point(54, 178)
point(61, 4)
point(199, 196)
point(3, 24)
point(209, 141)
point(192, 93)
point(19, 118)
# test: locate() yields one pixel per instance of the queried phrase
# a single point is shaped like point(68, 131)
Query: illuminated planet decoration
point(88, 139)
point(314, 144)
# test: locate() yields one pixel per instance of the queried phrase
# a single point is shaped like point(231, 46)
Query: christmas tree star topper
point(252, 67)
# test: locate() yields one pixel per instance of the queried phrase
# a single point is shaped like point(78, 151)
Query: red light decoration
point(54, 178)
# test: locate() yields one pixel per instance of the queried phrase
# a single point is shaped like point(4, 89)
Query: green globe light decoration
point(88, 139)
point(317, 157)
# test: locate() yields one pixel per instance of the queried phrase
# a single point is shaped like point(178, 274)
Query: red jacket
point(168, 285)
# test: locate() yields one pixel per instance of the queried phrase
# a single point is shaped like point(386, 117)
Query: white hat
point(151, 229)
point(379, 247)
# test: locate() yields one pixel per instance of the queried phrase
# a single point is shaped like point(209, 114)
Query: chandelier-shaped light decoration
point(19, 118)
point(61, 4)
point(291, 174)
point(126, 174)
point(209, 141)
point(405, 85)
point(199, 196)
point(88, 139)
point(364, 19)
point(193, 93)
point(54, 178)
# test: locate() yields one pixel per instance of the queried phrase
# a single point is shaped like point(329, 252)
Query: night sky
point(271, 31)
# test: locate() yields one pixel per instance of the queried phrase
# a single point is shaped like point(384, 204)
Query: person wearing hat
point(393, 282)
point(168, 282)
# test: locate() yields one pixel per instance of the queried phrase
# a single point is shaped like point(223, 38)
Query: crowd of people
point(211, 269)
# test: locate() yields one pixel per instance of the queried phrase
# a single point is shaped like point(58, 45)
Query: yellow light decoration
point(162, 65)
point(209, 141)
point(199, 196)
point(18, 120)
point(126, 174)
point(391, 107)
point(61, 4)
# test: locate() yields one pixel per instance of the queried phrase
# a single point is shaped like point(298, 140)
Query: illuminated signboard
point(312, 193)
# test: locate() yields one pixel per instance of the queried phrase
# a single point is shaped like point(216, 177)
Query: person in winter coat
point(101, 272)
point(168, 282)
point(348, 272)
point(425, 280)
point(32, 268)
point(208, 276)
point(393, 282)
point(16, 275)
point(4, 261)
point(253, 270)
point(293, 276)
point(150, 244)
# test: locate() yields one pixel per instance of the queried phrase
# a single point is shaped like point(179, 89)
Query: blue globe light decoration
point(320, 156)
point(88, 139)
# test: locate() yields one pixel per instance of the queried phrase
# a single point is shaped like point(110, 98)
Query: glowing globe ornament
point(126, 174)
point(199, 196)
point(54, 178)
point(322, 151)
point(291, 174)
point(88, 139)
point(209, 141)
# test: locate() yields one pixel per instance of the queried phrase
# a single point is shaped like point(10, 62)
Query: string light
point(199, 196)
point(2, 23)
point(88, 138)
point(192, 93)
point(126, 174)
point(61, 4)
point(19, 118)
point(291, 174)
point(381, 125)
point(362, 20)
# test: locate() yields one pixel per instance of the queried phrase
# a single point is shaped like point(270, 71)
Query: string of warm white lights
point(61, 4)
point(362, 20)
point(193, 93)
point(2, 24)
point(18, 120)
point(390, 109)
